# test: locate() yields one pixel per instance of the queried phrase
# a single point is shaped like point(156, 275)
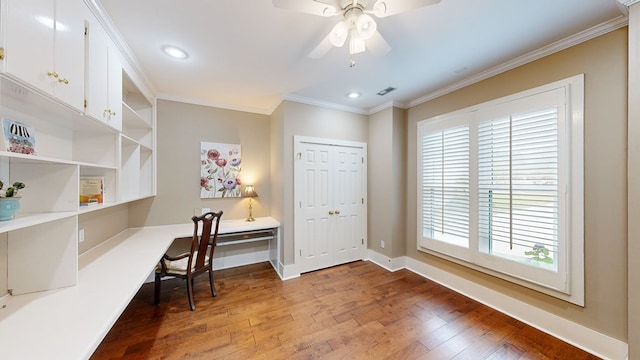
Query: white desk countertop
point(70, 323)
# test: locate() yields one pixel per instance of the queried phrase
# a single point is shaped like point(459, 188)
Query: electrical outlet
point(81, 235)
point(382, 244)
point(205, 210)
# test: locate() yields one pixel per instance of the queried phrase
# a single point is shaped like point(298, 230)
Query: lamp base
point(250, 218)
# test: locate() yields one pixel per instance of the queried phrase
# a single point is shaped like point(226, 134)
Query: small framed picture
point(18, 137)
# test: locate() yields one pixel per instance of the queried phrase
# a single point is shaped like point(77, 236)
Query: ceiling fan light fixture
point(356, 43)
point(339, 34)
point(366, 26)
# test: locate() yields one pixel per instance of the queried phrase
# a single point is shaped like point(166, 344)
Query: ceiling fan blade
point(306, 6)
point(322, 49)
point(384, 8)
point(378, 45)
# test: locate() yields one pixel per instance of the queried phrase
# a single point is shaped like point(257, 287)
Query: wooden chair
point(197, 261)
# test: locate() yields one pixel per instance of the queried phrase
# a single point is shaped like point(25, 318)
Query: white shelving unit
point(136, 144)
point(69, 145)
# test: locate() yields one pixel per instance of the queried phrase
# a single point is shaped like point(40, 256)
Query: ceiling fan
point(356, 25)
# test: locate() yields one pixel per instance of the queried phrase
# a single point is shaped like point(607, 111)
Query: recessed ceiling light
point(175, 52)
point(353, 95)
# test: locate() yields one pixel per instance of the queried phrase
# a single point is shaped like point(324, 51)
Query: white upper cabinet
point(44, 46)
point(103, 77)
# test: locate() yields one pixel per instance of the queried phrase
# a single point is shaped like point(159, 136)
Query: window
point(500, 188)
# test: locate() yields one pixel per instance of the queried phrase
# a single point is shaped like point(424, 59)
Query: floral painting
point(220, 166)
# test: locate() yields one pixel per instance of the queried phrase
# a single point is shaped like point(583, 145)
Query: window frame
point(570, 284)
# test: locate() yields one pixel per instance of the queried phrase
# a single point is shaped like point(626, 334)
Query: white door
point(330, 213)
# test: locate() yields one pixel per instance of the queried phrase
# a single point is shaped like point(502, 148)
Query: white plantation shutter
point(518, 186)
point(445, 168)
point(501, 188)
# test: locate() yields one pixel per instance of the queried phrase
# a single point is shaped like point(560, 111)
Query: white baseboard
point(578, 335)
point(384, 261)
point(289, 272)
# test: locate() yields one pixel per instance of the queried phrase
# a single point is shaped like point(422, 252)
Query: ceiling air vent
point(384, 92)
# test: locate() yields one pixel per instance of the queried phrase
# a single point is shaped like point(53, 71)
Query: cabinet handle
point(331, 212)
point(53, 74)
point(64, 81)
point(337, 212)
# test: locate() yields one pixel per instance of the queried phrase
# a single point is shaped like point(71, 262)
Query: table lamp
point(250, 192)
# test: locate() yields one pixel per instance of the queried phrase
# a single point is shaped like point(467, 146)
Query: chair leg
point(213, 288)
point(192, 305)
point(156, 292)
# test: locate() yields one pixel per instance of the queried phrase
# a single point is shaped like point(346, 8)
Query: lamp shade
point(249, 191)
point(366, 26)
point(339, 34)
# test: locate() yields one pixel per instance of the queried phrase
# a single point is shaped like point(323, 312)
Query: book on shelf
point(91, 190)
point(18, 137)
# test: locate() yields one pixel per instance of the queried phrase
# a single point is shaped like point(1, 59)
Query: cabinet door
point(29, 42)
point(96, 73)
point(103, 78)
point(114, 87)
point(69, 52)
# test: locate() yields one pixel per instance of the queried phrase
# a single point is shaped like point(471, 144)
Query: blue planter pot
point(8, 207)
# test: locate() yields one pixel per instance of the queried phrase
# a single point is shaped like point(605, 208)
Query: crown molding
point(387, 105)
point(201, 102)
point(324, 104)
point(566, 43)
point(628, 3)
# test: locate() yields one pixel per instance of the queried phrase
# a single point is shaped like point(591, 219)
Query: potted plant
point(9, 199)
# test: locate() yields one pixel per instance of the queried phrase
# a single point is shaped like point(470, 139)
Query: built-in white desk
point(70, 323)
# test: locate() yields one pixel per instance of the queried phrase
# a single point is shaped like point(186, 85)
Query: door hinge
point(85, 103)
point(362, 241)
point(299, 156)
point(300, 252)
point(300, 204)
point(86, 30)
point(362, 201)
point(363, 159)
point(1, 53)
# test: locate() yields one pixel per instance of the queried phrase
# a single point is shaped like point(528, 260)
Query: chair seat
point(180, 266)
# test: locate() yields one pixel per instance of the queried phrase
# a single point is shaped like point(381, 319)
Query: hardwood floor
point(352, 311)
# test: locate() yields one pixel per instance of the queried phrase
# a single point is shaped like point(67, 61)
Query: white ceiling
point(249, 55)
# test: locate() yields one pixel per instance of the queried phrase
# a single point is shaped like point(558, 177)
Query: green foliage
point(539, 253)
point(12, 190)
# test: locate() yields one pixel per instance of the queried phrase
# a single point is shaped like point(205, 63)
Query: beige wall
point(180, 129)
point(387, 169)
point(306, 120)
point(634, 182)
point(604, 62)
point(101, 225)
